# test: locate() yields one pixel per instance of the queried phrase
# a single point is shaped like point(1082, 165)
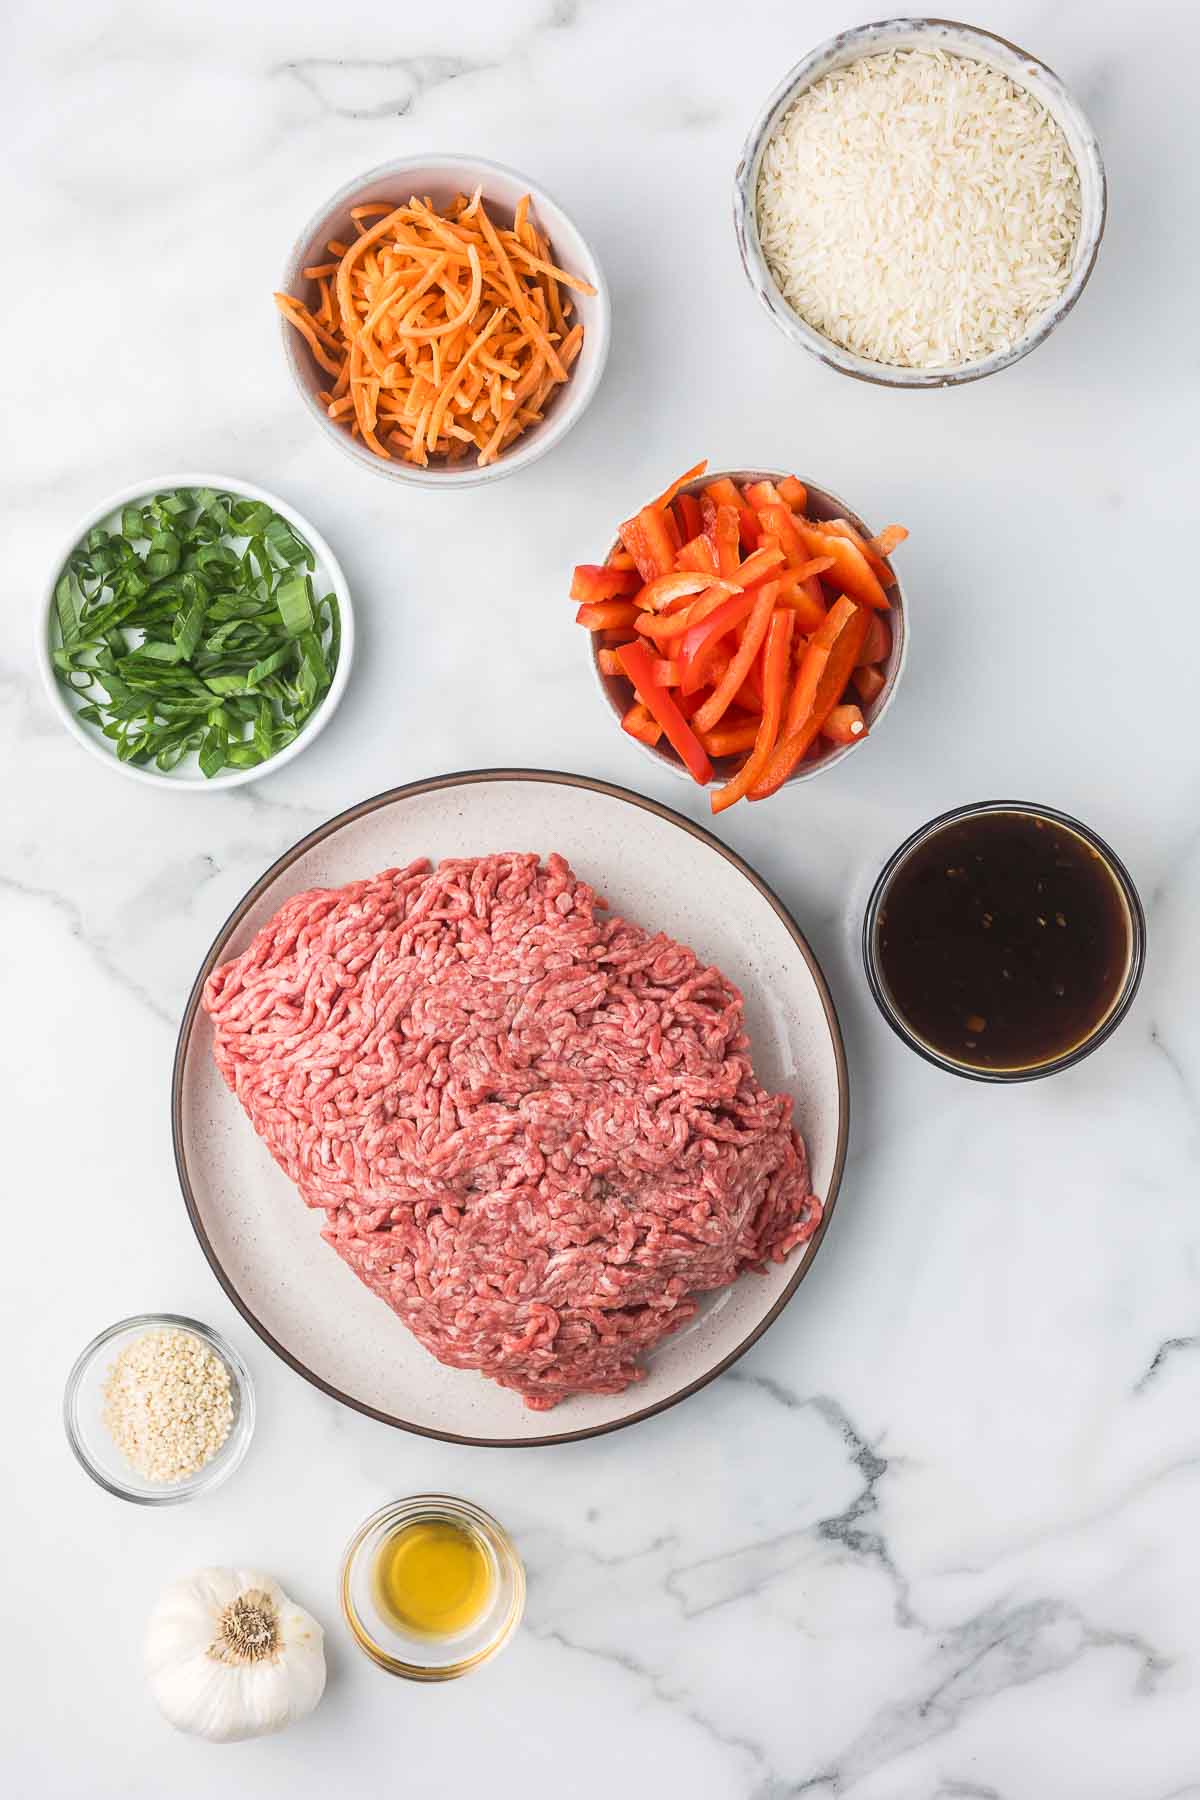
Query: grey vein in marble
point(344, 85)
point(1165, 1350)
point(999, 1649)
point(349, 86)
point(71, 913)
point(847, 1528)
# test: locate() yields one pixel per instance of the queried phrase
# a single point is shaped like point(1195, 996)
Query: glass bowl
point(617, 691)
point(88, 1436)
point(1103, 1029)
point(958, 40)
point(406, 1653)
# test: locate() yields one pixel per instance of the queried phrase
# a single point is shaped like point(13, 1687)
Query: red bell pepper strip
point(638, 664)
point(749, 696)
point(665, 627)
point(803, 594)
point(825, 668)
point(842, 632)
point(763, 493)
point(705, 634)
point(758, 566)
point(756, 630)
point(869, 682)
point(600, 581)
point(721, 528)
point(698, 554)
point(639, 724)
point(843, 528)
point(725, 540)
point(650, 541)
point(777, 656)
point(607, 615)
point(782, 525)
point(620, 559)
point(666, 497)
point(687, 516)
point(881, 546)
point(718, 665)
point(884, 542)
point(787, 754)
point(877, 645)
point(793, 493)
point(728, 739)
point(851, 572)
point(723, 492)
point(606, 662)
point(845, 724)
point(659, 594)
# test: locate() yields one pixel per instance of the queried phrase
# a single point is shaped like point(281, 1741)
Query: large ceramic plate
point(649, 863)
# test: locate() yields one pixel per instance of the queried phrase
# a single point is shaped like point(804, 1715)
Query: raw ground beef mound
point(534, 1129)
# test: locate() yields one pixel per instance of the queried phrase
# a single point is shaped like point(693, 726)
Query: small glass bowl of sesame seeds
point(159, 1409)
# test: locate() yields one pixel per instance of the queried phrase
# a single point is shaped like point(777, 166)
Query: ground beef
point(534, 1129)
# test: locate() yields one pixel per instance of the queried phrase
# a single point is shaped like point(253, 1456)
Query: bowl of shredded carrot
point(444, 320)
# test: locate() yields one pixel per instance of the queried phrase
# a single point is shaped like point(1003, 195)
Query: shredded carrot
point(297, 314)
point(443, 330)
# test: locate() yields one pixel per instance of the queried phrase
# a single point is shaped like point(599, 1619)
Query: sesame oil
point(433, 1578)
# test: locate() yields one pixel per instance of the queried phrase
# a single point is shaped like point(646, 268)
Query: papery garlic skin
point(229, 1656)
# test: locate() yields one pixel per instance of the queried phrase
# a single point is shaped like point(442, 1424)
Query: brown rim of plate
point(471, 777)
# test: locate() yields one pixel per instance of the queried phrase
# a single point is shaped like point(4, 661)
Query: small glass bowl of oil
point(431, 1587)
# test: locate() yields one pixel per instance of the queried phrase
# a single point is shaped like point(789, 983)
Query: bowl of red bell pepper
point(747, 629)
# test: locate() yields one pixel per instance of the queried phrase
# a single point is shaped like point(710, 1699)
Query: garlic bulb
point(229, 1656)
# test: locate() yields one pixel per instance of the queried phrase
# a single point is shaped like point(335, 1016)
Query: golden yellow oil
point(432, 1577)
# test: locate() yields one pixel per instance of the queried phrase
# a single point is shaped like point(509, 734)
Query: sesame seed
point(168, 1404)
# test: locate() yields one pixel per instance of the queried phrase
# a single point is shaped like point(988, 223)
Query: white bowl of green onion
point(197, 632)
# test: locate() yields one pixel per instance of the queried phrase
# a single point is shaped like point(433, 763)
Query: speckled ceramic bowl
point(961, 40)
point(650, 864)
point(617, 692)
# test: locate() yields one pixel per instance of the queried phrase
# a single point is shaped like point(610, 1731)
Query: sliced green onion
point(64, 603)
point(294, 600)
point(193, 630)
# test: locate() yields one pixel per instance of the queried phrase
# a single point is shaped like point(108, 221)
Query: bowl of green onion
point(198, 632)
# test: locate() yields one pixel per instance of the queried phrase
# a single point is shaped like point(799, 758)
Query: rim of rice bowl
point(1040, 98)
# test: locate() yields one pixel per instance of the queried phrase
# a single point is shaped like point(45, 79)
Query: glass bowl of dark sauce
point(1004, 941)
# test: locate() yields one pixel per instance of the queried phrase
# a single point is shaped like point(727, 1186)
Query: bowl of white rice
point(919, 203)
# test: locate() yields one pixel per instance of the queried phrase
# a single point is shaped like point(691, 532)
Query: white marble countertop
point(936, 1535)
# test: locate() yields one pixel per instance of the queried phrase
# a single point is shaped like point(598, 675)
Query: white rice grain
point(919, 208)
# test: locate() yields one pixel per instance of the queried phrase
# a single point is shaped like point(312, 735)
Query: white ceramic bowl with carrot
point(444, 320)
